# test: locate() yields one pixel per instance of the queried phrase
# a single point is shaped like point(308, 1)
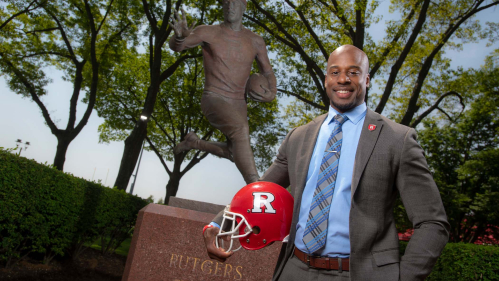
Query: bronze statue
point(229, 50)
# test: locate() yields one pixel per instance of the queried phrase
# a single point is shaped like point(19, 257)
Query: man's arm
point(424, 208)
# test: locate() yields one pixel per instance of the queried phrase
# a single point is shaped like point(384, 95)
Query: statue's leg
point(192, 141)
point(219, 149)
point(240, 147)
point(230, 117)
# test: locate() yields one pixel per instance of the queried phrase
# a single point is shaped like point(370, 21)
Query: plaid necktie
point(315, 233)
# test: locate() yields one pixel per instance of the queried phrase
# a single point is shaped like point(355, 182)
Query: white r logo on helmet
point(258, 200)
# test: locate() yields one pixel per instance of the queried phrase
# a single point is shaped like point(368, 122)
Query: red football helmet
point(259, 214)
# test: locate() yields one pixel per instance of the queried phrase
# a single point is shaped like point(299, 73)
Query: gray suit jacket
point(388, 160)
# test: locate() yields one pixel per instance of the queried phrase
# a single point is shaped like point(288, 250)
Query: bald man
point(357, 161)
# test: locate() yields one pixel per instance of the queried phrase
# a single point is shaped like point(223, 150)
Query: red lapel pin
point(372, 127)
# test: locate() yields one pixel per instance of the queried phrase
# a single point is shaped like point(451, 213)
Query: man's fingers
point(210, 237)
point(217, 253)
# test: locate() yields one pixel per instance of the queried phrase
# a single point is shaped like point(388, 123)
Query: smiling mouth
point(343, 93)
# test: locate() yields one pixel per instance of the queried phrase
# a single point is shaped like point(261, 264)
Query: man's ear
point(368, 80)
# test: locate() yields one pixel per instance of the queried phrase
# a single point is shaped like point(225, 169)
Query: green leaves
point(46, 211)
point(82, 39)
point(405, 64)
point(463, 155)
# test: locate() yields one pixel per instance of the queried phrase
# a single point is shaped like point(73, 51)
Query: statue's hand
point(179, 24)
point(267, 90)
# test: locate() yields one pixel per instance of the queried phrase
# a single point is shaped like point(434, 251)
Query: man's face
point(347, 78)
point(233, 10)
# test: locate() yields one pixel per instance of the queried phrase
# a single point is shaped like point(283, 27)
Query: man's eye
point(354, 73)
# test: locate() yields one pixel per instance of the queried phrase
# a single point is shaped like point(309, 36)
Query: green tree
point(158, 14)
point(177, 112)
point(410, 58)
point(80, 38)
point(463, 156)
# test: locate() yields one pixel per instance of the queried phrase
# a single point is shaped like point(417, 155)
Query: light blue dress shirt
point(337, 241)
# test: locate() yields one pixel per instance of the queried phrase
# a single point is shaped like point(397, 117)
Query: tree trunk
point(60, 155)
point(172, 186)
point(133, 144)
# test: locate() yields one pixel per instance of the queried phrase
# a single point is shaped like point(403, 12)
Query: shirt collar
point(354, 115)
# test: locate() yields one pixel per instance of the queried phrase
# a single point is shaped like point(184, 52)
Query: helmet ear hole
point(256, 230)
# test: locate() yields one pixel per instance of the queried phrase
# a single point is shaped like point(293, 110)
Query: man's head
point(234, 10)
point(347, 77)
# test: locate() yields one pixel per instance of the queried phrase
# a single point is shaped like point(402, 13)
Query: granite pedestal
point(167, 244)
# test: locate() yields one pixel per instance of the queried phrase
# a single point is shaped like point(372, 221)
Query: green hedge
point(463, 261)
point(43, 210)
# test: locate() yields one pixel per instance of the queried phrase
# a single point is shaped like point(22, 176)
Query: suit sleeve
point(276, 173)
point(424, 208)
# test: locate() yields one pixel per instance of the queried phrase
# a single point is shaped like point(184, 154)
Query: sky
point(213, 180)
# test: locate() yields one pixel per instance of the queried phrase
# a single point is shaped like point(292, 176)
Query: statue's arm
point(264, 66)
point(194, 39)
point(185, 37)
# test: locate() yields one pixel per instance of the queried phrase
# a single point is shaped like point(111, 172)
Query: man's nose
point(343, 78)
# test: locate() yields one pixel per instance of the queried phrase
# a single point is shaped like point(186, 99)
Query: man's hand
point(219, 254)
point(179, 25)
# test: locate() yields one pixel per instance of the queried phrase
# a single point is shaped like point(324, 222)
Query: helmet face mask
point(259, 214)
point(235, 228)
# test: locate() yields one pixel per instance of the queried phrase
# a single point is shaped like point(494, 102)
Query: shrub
point(463, 261)
point(46, 211)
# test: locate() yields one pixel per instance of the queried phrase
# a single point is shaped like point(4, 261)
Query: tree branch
point(105, 16)
point(425, 69)
point(32, 91)
point(339, 13)
point(153, 22)
point(360, 27)
point(309, 61)
point(151, 145)
point(167, 108)
point(95, 74)
point(18, 14)
point(436, 106)
point(41, 30)
point(271, 32)
point(162, 129)
point(309, 29)
point(398, 64)
point(170, 70)
point(316, 105)
point(395, 39)
point(47, 53)
point(64, 36)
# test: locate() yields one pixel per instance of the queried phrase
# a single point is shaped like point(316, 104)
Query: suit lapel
point(367, 141)
point(304, 148)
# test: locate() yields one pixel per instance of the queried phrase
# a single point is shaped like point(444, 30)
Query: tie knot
point(340, 118)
